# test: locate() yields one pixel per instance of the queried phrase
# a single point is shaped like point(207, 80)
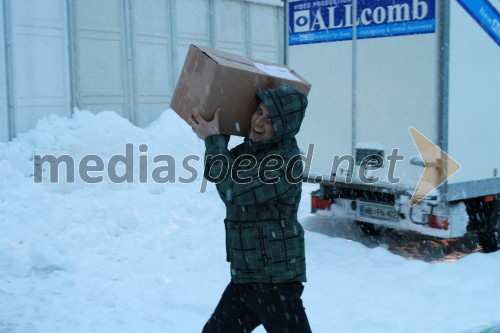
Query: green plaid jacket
point(260, 184)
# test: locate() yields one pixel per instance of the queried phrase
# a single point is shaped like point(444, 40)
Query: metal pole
point(443, 80)
point(354, 76)
point(129, 53)
point(5, 101)
point(285, 23)
point(11, 115)
point(247, 29)
point(173, 42)
point(211, 24)
point(70, 18)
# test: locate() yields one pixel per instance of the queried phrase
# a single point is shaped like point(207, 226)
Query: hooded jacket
point(260, 184)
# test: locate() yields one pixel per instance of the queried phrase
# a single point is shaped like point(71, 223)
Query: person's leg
point(279, 308)
point(232, 314)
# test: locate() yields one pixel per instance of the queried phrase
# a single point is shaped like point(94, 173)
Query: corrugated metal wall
point(120, 55)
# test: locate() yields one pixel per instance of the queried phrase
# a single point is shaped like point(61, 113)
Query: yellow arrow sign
point(439, 166)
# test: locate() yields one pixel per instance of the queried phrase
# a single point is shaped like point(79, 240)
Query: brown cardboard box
point(212, 78)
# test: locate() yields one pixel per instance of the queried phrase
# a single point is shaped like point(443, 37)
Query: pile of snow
point(149, 257)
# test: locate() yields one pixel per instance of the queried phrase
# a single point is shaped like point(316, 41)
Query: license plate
point(376, 211)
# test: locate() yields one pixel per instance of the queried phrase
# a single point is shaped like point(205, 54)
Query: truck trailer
point(403, 125)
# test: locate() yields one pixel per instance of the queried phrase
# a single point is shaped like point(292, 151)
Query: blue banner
point(319, 21)
point(485, 14)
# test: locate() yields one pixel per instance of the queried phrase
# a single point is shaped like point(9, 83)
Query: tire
point(486, 219)
point(369, 228)
point(488, 241)
point(489, 237)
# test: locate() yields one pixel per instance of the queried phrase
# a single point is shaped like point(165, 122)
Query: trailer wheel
point(486, 219)
point(369, 228)
point(490, 237)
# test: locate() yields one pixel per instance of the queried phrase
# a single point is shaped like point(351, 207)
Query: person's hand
point(204, 128)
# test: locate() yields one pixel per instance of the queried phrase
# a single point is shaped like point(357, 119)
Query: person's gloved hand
point(204, 128)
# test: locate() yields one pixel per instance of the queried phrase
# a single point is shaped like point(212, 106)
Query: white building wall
point(39, 59)
point(152, 53)
point(100, 56)
point(192, 26)
point(119, 55)
point(266, 32)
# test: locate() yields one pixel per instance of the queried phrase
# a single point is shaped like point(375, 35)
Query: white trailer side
point(474, 98)
point(433, 65)
point(367, 92)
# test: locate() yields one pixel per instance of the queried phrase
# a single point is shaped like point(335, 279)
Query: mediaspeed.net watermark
point(136, 165)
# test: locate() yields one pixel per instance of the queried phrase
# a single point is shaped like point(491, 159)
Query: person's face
point(262, 126)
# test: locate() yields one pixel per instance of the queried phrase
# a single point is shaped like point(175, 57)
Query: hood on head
point(286, 107)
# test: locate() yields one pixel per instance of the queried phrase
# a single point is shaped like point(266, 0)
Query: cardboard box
point(212, 78)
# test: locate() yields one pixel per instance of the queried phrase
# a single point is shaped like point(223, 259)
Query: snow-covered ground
point(149, 257)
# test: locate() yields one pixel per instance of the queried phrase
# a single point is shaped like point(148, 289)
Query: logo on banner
point(301, 21)
point(317, 21)
point(486, 15)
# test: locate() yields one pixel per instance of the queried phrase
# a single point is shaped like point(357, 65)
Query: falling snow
point(147, 257)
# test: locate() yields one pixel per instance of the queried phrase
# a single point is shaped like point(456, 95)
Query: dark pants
point(245, 306)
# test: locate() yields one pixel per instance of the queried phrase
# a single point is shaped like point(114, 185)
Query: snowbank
point(149, 257)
